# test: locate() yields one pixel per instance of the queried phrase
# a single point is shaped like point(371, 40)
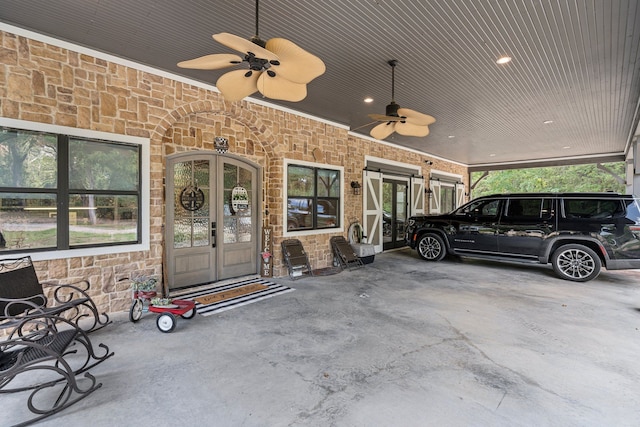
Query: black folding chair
point(343, 253)
point(296, 259)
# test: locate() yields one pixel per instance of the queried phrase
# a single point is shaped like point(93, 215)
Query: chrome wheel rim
point(430, 248)
point(576, 263)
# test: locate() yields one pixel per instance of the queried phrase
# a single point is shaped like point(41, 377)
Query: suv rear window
point(592, 208)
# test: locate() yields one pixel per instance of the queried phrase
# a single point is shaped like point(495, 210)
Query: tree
point(97, 166)
point(573, 178)
point(30, 159)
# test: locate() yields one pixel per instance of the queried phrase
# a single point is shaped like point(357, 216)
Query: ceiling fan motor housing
point(257, 40)
point(392, 109)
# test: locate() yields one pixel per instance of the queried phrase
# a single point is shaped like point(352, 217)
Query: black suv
point(577, 233)
point(299, 213)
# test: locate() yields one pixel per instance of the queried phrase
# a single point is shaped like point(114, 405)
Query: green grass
point(48, 238)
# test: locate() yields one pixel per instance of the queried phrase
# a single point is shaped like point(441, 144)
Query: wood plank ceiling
point(575, 63)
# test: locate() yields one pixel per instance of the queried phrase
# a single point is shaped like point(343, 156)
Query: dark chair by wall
point(44, 355)
point(296, 259)
point(21, 291)
point(343, 253)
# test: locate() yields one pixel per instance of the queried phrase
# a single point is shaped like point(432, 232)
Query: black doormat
point(267, 290)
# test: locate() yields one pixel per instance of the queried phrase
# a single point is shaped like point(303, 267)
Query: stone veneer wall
point(48, 84)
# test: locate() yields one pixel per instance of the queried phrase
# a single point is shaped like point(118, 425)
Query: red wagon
point(167, 314)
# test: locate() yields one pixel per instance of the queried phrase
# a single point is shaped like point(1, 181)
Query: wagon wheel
point(166, 322)
point(189, 314)
point(135, 313)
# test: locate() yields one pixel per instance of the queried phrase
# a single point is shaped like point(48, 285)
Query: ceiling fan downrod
point(256, 38)
point(255, 63)
point(392, 109)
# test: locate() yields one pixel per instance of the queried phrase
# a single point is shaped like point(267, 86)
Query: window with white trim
point(313, 197)
point(63, 192)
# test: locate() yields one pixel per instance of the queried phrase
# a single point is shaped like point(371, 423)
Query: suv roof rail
point(560, 194)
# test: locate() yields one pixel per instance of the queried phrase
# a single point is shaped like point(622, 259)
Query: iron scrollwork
point(191, 198)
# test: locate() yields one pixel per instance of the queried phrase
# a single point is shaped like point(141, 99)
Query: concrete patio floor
point(401, 342)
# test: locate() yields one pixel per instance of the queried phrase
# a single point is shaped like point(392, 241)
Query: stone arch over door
point(243, 116)
point(267, 148)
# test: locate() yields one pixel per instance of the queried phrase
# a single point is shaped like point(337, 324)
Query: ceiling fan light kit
point(278, 68)
point(404, 121)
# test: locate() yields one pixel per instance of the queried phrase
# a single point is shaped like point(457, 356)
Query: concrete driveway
point(401, 342)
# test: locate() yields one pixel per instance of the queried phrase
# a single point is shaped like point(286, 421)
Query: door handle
point(213, 234)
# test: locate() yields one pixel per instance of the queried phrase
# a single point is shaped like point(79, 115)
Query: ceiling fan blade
point(383, 130)
point(383, 118)
point(280, 88)
point(416, 118)
point(409, 129)
point(296, 64)
point(211, 62)
point(244, 45)
point(234, 85)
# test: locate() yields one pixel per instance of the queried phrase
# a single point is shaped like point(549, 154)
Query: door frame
point(376, 169)
point(213, 157)
point(439, 179)
point(395, 182)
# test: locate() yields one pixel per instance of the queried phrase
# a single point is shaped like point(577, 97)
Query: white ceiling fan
point(278, 68)
point(402, 120)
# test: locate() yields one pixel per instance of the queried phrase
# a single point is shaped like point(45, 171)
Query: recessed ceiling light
point(451, 136)
point(548, 122)
point(566, 147)
point(368, 100)
point(503, 60)
point(492, 155)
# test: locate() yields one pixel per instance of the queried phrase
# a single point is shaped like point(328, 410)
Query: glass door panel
point(191, 251)
point(191, 204)
point(239, 217)
point(394, 212)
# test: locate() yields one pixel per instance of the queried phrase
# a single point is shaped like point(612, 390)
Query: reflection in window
point(592, 208)
point(95, 204)
point(313, 198)
point(480, 208)
point(191, 204)
point(529, 208)
point(28, 220)
point(447, 198)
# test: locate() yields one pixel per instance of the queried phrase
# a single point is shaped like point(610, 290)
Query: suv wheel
point(576, 262)
point(431, 247)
